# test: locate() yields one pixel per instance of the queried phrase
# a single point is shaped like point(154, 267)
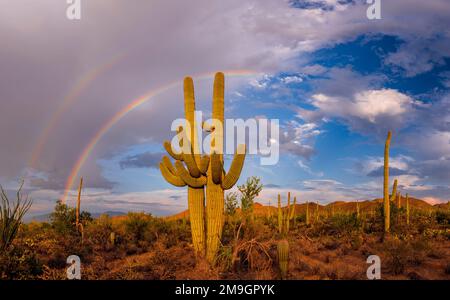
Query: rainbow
point(73, 94)
point(124, 111)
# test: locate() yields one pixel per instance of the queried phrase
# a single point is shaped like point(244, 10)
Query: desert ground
point(334, 245)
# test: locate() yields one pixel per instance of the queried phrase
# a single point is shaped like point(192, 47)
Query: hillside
point(337, 207)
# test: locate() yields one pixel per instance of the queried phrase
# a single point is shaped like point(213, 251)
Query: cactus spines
point(78, 223)
point(399, 196)
point(387, 212)
point(200, 172)
point(283, 257)
point(407, 209)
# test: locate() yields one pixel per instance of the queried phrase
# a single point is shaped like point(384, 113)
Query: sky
point(95, 97)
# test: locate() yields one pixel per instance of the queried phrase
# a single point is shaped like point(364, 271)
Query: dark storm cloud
point(142, 160)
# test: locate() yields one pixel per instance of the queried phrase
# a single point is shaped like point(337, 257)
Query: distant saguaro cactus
point(394, 191)
point(112, 238)
point(407, 209)
point(387, 211)
point(78, 223)
point(284, 218)
point(293, 216)
point(357, 210)
point(280, 216)
point(317, 211)
point(200, 172)
point(307, 221)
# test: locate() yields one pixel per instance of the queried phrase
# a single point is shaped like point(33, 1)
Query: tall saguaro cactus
point(207, 171)
point(387, 212)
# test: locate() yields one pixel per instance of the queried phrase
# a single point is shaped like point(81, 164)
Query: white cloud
point(291, 79)
point(400, 162)
point(321, 183)
point(297, 138)
point(367, 105)
point(308, 170)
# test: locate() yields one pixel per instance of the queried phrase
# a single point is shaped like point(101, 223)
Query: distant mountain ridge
point(337, 206)
point(46, 217)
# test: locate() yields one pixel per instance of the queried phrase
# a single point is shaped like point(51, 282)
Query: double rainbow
point(124, 111)
point(85, 81)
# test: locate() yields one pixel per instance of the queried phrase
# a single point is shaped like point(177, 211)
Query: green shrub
point(442, 217)
point(98, 232)
point(345, 222)
point(20, 263)
point(63, 219)
point(136, 225)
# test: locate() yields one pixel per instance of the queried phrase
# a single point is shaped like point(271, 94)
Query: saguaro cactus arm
point(170, 177)
point(232, 176)
point(168, 146)
point(187, 178)
point(204, 163)
point(191, 165)
point(168, 164)
point(216, 168)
